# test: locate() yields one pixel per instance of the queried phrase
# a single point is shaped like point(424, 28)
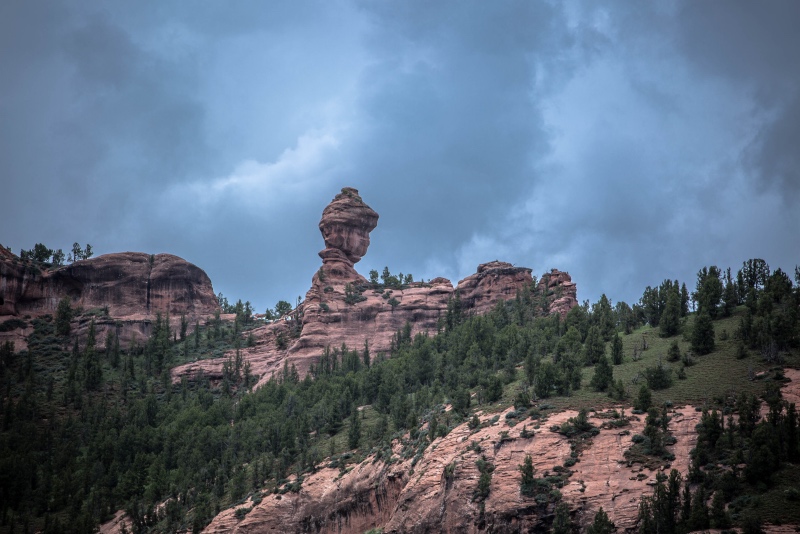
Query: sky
point(623, 142)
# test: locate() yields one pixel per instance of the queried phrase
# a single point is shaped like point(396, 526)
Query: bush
point(485, 481)
point(658, 376)
point(644, 400)
point(522, 401)
point(674, 352)
point(12, 324)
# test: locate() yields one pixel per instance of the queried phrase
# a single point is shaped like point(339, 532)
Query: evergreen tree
point(644, 399)
point(527, 483)
point(719, 516)
point(670, 318)
point(63, 317)
point(703, 333)
point(562, 522)
point(354, 434)
point(709, 290)
point(601, 524)
point(730, 296)
point(698, 520)
point(365, 355)
point(616, 350)
point(594, 346)
point(93, 372)
point(684, 300)
point(603, 317)
point(603, 374)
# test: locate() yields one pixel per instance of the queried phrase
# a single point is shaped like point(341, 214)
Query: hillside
point(499, 418)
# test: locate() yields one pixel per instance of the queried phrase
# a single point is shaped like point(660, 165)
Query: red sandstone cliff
point(342, 307)
point(424, 497)
point(132, 286)
point(400, 497)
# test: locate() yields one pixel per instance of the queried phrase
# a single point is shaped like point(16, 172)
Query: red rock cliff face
point(134, 287)
point(560, 291)
point(341, 307)
point(422, 497)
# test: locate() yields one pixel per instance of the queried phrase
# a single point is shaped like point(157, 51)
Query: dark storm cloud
point(451, 122)
point(755, 46)
point(624, 142)
point(93, 122)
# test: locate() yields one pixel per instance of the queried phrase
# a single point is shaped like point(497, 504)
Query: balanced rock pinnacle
point(343, 309)
point(345, 225)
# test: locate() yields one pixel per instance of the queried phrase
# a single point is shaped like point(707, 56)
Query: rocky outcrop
point(427, 496)
point(435, 493)
point(343, 308)
point(494, 281)
point(128, 289)
point(559, 290)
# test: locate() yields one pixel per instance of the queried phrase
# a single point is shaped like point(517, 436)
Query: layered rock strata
point(435, 494)
point(127, 289)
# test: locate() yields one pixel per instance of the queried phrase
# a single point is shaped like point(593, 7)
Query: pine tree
point(594, 346)
point(671, 316)
point(603, 374)
point(616, 350)
point(354, 434)
point(699, 517)
point(562, 523)
point(93, 372)
point(527, 483)
point(684, 301)
point(703, 333)
point(63, 317)
point(644, 400)
point(601, 524)
point(719, 516)
point(365, 356)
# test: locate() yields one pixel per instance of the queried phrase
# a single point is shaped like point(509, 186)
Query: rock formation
point(345, 226)
point(422, 495)
point(411, 496)
point(342, 307)
point(559, 290)
point(129, 289)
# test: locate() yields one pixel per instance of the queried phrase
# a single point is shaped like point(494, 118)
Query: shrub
point(12, 324)
point(658, 376)
point(485, 481)
point(674, 352)
point(643, 400)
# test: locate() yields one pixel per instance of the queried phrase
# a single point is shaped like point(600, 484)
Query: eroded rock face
point(342, 308)
point(132, 286)
point(561, 291)
point(429, 497)
point(494, 281)
point(432, 497)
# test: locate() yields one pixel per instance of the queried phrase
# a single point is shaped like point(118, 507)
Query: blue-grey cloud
point(623, 142)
